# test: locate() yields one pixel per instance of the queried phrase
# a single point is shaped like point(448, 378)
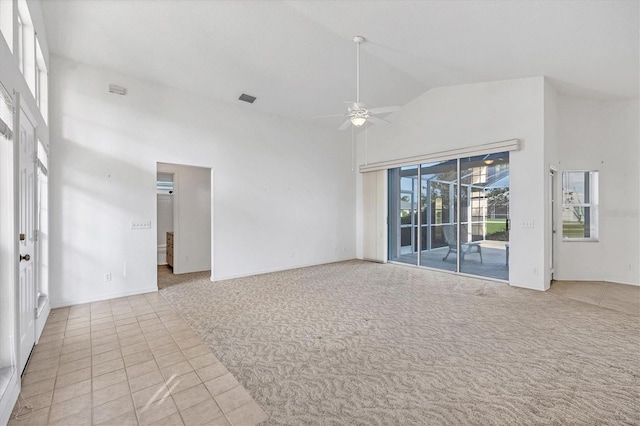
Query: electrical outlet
point(528, 223)
point(629, 267)
point(535, 271)
point(108, 277)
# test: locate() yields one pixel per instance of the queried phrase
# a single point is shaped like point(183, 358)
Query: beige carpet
point(363, 343)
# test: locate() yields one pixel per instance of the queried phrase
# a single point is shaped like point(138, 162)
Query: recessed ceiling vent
point(118, 90)
point(247, 98)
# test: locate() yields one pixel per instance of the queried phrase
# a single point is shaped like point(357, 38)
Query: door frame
point(174, 168)
point(553, 172)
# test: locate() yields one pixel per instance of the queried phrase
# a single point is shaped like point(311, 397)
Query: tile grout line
point(126, 375)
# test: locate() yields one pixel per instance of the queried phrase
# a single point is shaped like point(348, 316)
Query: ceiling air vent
point(247, 98)
point(118, 90)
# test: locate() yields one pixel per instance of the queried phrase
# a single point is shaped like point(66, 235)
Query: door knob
point(26, 257)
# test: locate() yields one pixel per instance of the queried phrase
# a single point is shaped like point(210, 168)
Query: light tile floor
point(129, 361)
point(619, 297)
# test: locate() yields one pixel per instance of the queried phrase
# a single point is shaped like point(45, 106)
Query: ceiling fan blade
point(328, 116)
point(384, 109)
point(345, 125)
point(353, 105)
point(376, 120)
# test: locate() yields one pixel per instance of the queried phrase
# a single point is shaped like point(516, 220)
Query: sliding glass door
point(440, 220)
point(405, 215)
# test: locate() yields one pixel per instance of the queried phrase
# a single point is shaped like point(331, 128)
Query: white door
point(26, 222)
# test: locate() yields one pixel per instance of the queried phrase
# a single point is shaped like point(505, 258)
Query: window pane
point(403, 208)
point(575, 187)
point(576, 222)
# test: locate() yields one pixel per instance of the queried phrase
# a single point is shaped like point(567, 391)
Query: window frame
point(593, 193)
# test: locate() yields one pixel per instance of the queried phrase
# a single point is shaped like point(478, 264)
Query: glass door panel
point(403, 214)
point(484, 215)
point(437, 213)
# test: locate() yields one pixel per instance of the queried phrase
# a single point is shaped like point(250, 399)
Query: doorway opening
point(184, 223)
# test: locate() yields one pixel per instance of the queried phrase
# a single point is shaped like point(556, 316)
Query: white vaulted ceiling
point(298, 58)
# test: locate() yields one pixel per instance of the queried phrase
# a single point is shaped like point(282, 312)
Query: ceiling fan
point(357, 113)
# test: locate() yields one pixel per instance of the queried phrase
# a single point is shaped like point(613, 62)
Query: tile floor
point(619, 297)
point(129, 361)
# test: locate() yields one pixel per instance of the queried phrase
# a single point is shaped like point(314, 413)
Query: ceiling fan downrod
point(358, 40)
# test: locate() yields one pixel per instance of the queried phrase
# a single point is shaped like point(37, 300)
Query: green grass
point(496, 225)
point(572, 230)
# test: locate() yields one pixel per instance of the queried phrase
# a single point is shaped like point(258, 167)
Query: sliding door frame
point(421, 204)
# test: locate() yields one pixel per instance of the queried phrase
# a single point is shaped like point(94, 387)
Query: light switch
point(137, 225)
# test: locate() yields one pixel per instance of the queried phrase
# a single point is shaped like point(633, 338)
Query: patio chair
point(450, 237)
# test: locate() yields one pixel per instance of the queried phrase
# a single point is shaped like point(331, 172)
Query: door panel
point(26, 290)
point(438, 208)
point(484, 215)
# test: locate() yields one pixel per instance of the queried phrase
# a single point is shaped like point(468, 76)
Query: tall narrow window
point(42, 83)
point(580, 205)
point(6, 22)
point(26, 46)
point(20, 44)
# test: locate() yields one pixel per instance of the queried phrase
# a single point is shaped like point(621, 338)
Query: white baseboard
point(268, 271)
point(72, 302)
point(42, 319)
point(598, 281)
point(623, 282)
point(527, 287)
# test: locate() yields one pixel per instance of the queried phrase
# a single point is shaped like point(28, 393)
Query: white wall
point(466, 115)
point(192, 219)
point(283, 196)
point(603, 136)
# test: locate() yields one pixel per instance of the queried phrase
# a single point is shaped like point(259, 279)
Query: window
point(580, 205)
point(164, 183)
point(26, 46)
point(6, 22)
point(20, 44)
point(42, 83)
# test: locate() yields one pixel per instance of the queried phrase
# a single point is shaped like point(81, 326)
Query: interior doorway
point(184, 223)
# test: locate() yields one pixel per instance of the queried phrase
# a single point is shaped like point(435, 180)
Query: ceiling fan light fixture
point(358, 120)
